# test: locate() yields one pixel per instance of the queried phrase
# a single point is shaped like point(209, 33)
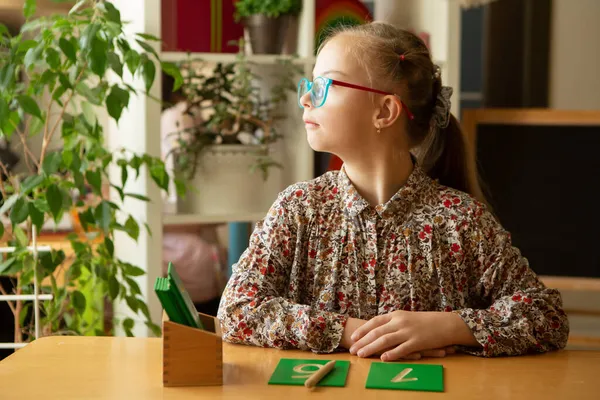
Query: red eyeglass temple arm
point(352, 86)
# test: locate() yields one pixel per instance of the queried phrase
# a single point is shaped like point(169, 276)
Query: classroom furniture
point(540, 169)
point(67, 368)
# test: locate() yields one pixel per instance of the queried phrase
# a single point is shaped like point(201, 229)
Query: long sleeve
point(255, 308)
point(514, 312)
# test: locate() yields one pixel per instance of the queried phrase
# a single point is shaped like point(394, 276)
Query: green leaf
point(67, 157)
point(113, 287)
point(4, 267)
point(84, 90)
point(159, 175)
point(128, 326)
point(88, 35)
point(20, 236)
point(1, 231)
point(41, 205)
point(4, 112)
point(147, 47)
point(147, 36)
point(110, 247)
point(29, 8)
point(26, 45)
point(52, 163)
point(24, 311)
point(132, 270)
point(68, 49)
point(54, 199)
point(156, 330)
point(148, 228)
point(7, 76)
point(112, 14)
point(88, 113)
point(97, 56)
point(101, 271)
point(74, 271)
point(32, 56)
point(9, 125)
point(172, 70)
point(137, 196)
point(124, 174)
point(133, 286)
point(132, 303)
point(35, 126)
point(78, 301)
point(86, 217)
point(29, 105)
point(116, 101)
point(37, 217)
point(31, 182)
point(94, 178)
point(180, 188)
point(3, 30)
point(8, 203)
point(149, 71)
point(19, 212)
point(132, 228)
point(53, 58)
point(65, 82)
point(115, 63)
point(102, 216)
point(132, 59)
point(144, 308)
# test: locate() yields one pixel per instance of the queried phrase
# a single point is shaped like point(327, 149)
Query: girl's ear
point(388, 112)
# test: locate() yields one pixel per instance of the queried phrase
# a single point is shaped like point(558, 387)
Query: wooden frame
point(472, 118)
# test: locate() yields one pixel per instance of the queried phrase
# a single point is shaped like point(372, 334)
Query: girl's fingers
point(373, 336)
point(384, 341)
point(369, 326)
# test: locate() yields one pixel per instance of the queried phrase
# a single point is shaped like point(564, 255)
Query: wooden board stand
point(191, 356)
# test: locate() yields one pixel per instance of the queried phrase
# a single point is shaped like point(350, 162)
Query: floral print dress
point(323, 254)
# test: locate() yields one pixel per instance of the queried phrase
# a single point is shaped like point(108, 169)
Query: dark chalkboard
point(543, 183)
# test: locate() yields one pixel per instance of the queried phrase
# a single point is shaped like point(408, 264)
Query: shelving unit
point(230, 57)
point(293, 151)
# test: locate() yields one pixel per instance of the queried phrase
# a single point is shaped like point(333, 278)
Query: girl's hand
point(403, 334)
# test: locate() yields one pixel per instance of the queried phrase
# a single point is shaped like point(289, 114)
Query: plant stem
point(48, 137)
point(11, 305)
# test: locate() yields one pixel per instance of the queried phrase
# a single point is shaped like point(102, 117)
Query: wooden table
point(130, 368)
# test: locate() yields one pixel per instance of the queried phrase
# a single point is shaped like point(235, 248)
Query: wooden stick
point(320, 374)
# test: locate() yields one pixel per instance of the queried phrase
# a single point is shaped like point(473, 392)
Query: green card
point(424, 377)
point(291, 371)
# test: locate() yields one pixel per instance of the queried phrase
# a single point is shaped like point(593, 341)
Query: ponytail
point(444, 156)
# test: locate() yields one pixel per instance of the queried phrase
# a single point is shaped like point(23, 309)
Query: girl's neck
point(378, 179)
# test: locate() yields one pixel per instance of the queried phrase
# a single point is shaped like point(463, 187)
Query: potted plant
point(267, 22)
point(236, 132)
point(65, 60)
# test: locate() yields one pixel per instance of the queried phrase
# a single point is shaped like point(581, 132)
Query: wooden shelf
point(231, 57)
point(192, 219)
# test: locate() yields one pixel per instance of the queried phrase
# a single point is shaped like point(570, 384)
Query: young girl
point(388, 256)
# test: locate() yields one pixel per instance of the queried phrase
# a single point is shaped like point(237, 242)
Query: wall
point(575, 55)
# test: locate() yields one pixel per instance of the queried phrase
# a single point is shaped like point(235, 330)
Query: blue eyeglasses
point(319, 88)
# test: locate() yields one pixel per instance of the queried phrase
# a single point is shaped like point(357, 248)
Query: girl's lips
point(310, 124)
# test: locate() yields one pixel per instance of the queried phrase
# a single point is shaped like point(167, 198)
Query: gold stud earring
point(378, 130)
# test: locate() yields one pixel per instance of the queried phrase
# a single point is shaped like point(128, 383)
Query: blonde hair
point(397, 60)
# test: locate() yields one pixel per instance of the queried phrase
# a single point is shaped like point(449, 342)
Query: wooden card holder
point(191, 356)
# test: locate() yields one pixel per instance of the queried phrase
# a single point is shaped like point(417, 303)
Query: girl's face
point(344, 124)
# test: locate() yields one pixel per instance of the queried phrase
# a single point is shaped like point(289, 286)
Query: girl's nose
point(305, 100)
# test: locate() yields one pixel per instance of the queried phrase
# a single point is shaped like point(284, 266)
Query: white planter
point(224, 185)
